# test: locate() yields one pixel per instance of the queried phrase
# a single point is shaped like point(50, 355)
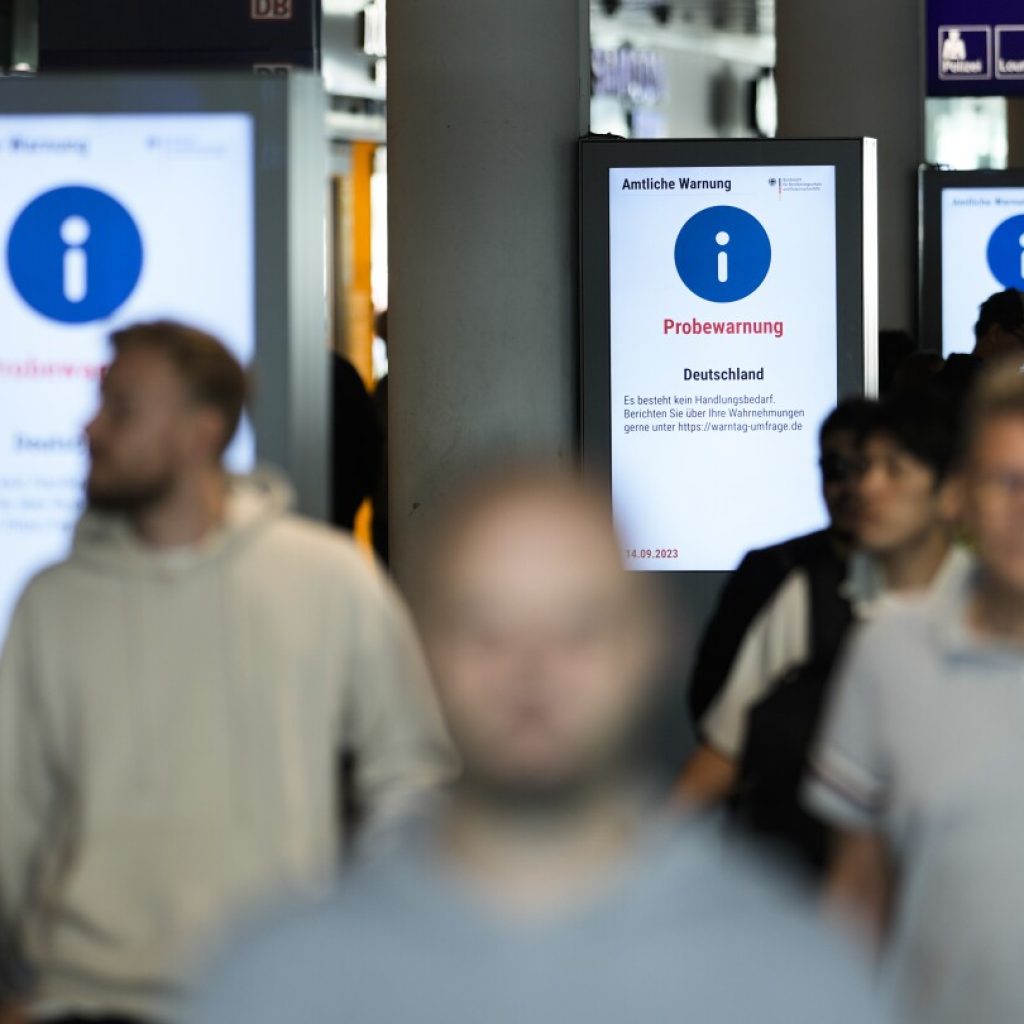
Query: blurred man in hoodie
point(173, 697)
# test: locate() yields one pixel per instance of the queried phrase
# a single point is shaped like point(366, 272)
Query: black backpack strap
point(782, 726)
point(831, 611)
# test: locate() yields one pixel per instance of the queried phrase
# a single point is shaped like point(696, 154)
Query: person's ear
point(209, 433)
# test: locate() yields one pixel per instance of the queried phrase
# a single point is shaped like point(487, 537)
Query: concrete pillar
point(850, 69)
point(485, 103)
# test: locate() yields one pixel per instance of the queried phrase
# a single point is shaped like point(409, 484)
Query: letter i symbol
point(722, 238)
point(74, 232)
point(1022, 255)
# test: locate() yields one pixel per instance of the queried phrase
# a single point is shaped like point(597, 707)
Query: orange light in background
point(353, 297)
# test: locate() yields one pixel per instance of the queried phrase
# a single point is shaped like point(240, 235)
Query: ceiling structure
point(741, 31)
point(753, 17)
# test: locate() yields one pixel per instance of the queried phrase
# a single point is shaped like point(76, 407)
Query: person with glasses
point(761, 572)
point(920, 764)
point(906, 517)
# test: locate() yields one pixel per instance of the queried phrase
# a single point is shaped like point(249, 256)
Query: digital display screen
point(723, 362)
point(105, 220)
point(982, 253)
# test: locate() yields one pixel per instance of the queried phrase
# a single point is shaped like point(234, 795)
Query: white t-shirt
point(924, 743)
point(779, 640)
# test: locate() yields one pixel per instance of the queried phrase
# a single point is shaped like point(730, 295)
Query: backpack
point(782, 726)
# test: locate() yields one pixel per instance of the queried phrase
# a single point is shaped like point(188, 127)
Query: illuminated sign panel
point(729, 297)
point(105, 219)
point(723, 359)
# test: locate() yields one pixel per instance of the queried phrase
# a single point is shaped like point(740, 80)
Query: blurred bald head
point(544, 649)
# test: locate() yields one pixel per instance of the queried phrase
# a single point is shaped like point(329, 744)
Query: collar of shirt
point(865, 589)
point(948, 612)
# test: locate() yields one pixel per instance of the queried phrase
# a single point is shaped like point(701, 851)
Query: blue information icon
point(1006, 252)
point(723, 254)
point(74, 254)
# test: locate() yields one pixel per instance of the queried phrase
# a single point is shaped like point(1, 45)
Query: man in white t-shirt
point(905, 533)
point(921, 760)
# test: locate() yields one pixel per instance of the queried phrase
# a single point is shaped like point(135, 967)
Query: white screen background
point(187, 181)
point(969, 216)
point(712, 496)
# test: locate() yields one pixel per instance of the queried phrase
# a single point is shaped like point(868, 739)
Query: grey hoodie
point(169, 730)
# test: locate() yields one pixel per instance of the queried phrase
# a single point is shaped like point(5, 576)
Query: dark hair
point(1005, 309)
point(894, 349)
point(923, 423)
point(213, 376)
point(918, 370)
point(853, 414)
point(380, 325)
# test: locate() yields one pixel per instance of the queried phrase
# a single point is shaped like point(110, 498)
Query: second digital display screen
point(982, 253)
point(723, 357)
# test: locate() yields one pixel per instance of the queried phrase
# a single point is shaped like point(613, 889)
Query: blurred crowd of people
point(177, 697)
point(857, 695)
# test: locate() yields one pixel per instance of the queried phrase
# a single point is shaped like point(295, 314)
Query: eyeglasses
point(1001, 485)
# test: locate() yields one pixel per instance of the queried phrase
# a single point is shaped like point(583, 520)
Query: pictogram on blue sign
point(723, 254)
point(1006, 253)
point(74, 254)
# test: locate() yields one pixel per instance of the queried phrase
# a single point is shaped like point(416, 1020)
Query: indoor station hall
point(511, 511)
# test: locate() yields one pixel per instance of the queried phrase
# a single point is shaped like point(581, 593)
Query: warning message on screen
point(723, 357)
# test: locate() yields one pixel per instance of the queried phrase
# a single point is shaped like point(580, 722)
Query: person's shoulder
point(725, 872)
point(722, 881)
point(809, 547)
point(318, 545)
point(263, 970)
point(50, 576)
point(900, 628)
point(298, 960)
point(792, 552)
point(928, 622)
point(312, 532)
point(762, 571)
point(320, 559)
point(788, 607)
point(754, 914)
point(48, 584)
point(900, 643)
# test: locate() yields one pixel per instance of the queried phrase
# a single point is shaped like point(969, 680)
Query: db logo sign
point(272, 10)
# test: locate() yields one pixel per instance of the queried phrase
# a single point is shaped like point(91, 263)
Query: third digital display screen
point(982, 253)
point(723, 357)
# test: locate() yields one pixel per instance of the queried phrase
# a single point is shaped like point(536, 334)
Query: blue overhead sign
point(975, 47)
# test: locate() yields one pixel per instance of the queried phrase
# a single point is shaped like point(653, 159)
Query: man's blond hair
point(999, 392)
